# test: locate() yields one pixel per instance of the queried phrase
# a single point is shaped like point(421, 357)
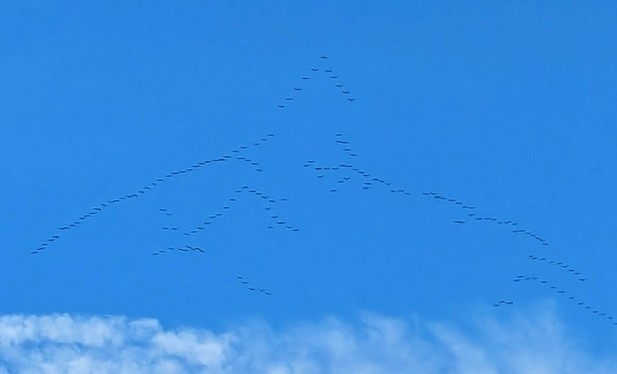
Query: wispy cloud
point(62, 343)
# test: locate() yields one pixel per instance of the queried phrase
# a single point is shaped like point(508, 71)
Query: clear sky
point(286, 172)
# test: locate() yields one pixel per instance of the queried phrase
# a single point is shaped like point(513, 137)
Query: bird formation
point(331, 75)
point(368, 180)
point(269, 203)
point(239, 155)
point(346, 172)
point(145, 189)
point(583, 305)
point(474, 216)
point(252, 288)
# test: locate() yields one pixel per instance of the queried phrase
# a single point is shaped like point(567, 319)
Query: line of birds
point(254, 164)
point(149, 187)
point(470, 209)
point(559, 264)
point(573, 299)
point(370, 180)
point(250, 287)
point(185, 249)
point(331, 74)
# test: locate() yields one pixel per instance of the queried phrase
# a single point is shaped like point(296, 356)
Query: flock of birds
point(345, 172)
point(103, 206)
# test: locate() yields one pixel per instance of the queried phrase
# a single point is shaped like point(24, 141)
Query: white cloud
point(376, 344)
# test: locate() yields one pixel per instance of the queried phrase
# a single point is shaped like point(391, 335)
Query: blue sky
point(418, 158)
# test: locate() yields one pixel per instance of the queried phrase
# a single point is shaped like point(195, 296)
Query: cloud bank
point(62, 343)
